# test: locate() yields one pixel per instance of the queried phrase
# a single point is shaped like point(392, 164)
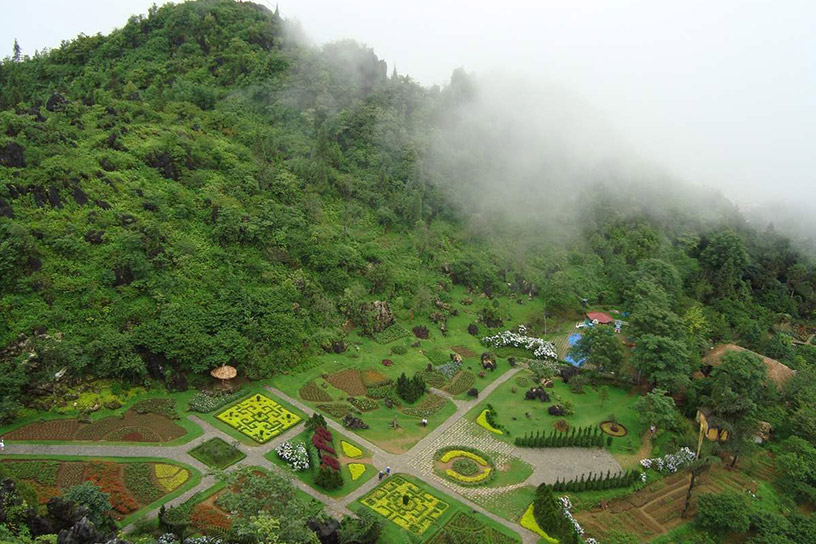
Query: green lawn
point(307, 476)
point(588, 410)
point(217, 454)
point(510, 505)
point(395, 534)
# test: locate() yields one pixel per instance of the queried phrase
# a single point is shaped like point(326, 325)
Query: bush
point(582, 437)
point(723, 513)
point(399, 349)
point(473, 329)
point(597, 482)
point(410, 389)
point(473, 392)
point(421, 332)
point(163, 407)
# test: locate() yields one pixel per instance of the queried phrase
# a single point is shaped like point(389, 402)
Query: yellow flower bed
point(482, 421)
point(356, 469)
point(528, 522)
point(259, 417)
point(461, 453)
point(419, 515)
point(350, 450)
point(170, 477)
point(468, 479)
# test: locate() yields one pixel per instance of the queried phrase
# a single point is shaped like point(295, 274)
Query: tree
point(796, 464)
point(365, 529)
point(699, 466)
point(725, 261)
point(722, 513)
point(92, 497)
point(603, 395)
point(657, 408)
point(16, 55)
point(663, 360)
point(600, 347)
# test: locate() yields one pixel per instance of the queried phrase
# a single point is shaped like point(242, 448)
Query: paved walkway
point(418, 461)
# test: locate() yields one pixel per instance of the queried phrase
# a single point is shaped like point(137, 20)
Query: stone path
point(418, 461)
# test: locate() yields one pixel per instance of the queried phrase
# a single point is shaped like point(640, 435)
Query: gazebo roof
point(224, 372)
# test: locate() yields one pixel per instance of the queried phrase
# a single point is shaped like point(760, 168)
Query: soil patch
point(464, 352)
point(350, 381)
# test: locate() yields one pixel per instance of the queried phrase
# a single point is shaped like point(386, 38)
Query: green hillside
point(201, 187)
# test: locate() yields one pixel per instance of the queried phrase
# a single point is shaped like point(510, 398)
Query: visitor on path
point(380, 475)
point(2, 445)
point(388, 471)
point(424, 421)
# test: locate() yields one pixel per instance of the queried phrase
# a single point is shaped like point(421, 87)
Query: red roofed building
point(600, 317)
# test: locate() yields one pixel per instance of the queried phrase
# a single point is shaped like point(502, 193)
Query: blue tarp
point(573, 339)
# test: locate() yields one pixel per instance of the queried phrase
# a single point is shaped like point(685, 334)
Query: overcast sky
point(722, 93)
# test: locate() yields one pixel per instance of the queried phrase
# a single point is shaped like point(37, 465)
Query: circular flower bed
point(613, 428)
point(465, 466)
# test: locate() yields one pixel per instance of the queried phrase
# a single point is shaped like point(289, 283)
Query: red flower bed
point(324, 433)
point(206, 518)
point(330, 462)
point(320, 444)
point(106, 476)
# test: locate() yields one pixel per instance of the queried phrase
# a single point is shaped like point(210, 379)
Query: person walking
point(380, 475)
point(2, 445)
point(388, 471)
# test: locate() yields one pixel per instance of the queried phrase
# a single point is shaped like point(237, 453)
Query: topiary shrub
point(473, 392)
point(473, 329)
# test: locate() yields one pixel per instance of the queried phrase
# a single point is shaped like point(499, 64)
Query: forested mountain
point(201, 187)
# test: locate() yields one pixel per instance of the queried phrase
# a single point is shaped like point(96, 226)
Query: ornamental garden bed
point(259, 417)
point(350, 381)
point(464, 466)
point(406, 504)
point(131, 485)
point(131, 426)
point(355, 462)
point(217, 454)
point(464, 527)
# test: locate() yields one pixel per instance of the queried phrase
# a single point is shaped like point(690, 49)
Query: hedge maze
point(259, 417)
point(406, 504)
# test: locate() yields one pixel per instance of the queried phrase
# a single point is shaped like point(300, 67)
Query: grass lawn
point(307, 476)
point(510, 505)
point(422, 517)
point(511, 407)
point(250, 389)
point(217, 454)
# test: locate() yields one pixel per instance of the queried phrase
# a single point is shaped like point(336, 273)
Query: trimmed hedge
point(581, 437)
point(597, 482)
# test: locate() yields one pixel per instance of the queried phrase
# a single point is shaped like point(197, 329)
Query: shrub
point(163, 407)
point(421, 332)
point(473, 329)
point(582, 437)
point(483, 422)
point(356, 470)
point(465, 467)
point(350, 450)
point(722, 513)
point(399, 349)
point(410, 390)
point(473, 392)
point(329, 477)
point(295, 455)
point(596, 482)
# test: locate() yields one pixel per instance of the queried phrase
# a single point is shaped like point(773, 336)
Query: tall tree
point(16, 55)
point(600, 347)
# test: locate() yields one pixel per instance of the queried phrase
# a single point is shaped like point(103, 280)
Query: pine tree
point(16, 52)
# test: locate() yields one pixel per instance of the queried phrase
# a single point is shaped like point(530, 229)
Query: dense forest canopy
point(201, 188)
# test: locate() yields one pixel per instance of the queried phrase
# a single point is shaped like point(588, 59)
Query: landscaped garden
point(259, 417)
point(217, 454)
point(131, 485)
point(149, 420)
point(309, 455)
point(566, 412)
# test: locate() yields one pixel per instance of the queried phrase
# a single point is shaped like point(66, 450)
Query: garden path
point(560, 460)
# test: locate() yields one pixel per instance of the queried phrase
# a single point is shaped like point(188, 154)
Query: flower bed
point(70, 474)
point(528, 522)
point(312, 392)
point(350, 450)
point(107, 477)
point(337, 410)
point(350, 381)
point(209, 402)
point(391, 334)
point(259, 418)
point(170, 477)
point(139, 481)
point(44, 472)
point(416, 516)
point(379, 392)
point(479, 471)
point(356, 470)
point(539, 347)
point(427, 407)
point(363, 404)
point(462, 382)
point(163, 407)
point(206, 518)
point(613, 428)
point(449, 369)
point(129, 427)
point(465, 528)
point(374, 378)
point(295, 455)
point(670, 463)
point(482, 422)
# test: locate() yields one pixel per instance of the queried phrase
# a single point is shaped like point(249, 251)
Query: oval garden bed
point(464, 466)
point(613, 428)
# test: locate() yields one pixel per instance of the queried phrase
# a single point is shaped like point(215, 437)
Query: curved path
point(547, 468)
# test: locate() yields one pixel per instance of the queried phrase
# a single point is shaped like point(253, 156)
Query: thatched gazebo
point(224, 373)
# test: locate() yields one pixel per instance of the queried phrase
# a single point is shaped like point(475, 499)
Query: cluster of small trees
point(410, 389)
point(597, 482)
point(550, 516)
point(327, 469)
point(583, 437)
